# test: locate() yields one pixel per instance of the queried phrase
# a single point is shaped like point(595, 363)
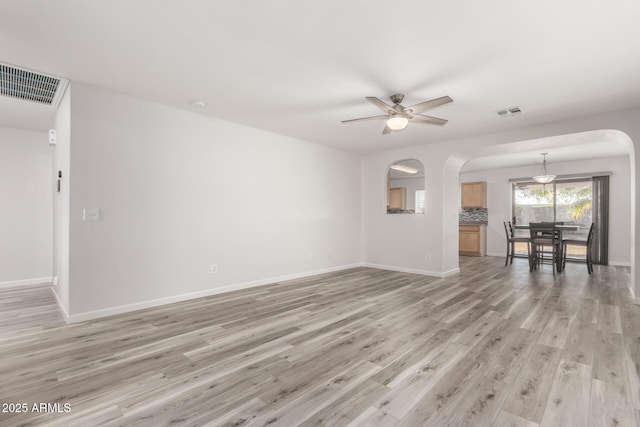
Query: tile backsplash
point(474, 215)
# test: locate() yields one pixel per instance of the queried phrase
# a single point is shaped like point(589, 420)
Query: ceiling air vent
point(508, 112)
point(30, 86)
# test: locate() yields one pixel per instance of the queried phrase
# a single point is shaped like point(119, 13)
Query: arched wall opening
point(455, 163)
point(405, 185)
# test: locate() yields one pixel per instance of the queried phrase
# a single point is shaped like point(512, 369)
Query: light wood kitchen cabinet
point(474, 195)
point(398, 198)
point(473, 240)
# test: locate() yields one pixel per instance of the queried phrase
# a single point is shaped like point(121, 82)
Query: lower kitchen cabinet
point(473, 240)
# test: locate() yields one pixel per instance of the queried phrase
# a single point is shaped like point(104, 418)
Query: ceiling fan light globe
point(397, 123)
point(544, 179)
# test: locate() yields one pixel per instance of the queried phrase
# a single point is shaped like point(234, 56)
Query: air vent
point(30, 86)
point(508, 112)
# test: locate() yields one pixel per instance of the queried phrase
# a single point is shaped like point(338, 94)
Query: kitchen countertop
point(472, 223)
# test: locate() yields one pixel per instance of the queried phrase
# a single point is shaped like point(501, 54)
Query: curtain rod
point(561, 177)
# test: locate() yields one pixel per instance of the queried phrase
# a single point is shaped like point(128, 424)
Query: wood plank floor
point(491, 346)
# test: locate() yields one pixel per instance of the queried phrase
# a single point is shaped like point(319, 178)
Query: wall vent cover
point(27, 85)
point(508, 112)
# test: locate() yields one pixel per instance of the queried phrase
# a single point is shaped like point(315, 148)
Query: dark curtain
point(601, 219)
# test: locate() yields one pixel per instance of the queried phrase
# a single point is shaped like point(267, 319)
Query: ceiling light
point(544, 178)
point(198, 103)
point(397, 122)
point(403, 168)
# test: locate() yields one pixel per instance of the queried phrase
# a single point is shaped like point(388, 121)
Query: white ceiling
point(298, 68)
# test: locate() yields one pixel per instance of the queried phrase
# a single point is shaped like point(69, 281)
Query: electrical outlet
point(214, 268)
point(428, 256)
point(329, 254)
point(91, 214)
point(310, 256)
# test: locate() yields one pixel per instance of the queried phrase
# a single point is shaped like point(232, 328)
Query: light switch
point(91, 214)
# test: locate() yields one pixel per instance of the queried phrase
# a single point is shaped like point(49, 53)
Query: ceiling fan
point(398, 116)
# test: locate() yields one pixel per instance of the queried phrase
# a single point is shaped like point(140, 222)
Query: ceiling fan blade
point(387, 130)
point(363, 119)
point(419, 118)
point(427, 105)
point(381, 105)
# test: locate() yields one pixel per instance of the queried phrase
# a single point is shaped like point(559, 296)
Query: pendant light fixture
point(544, 178)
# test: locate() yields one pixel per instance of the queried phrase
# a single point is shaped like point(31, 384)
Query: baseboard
point(620, 263)
point(451, 272)
point(95, 314)
point(63, 310)
point(411, 270)
point(39, 281)
point(633, 294)
point(496, 254)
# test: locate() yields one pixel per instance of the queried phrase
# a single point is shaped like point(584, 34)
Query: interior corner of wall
point(63, 308)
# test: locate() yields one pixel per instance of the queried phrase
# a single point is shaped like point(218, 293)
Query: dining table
point(561, 228)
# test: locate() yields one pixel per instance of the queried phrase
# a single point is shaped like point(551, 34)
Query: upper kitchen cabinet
point(397, 199)
point(474, 195)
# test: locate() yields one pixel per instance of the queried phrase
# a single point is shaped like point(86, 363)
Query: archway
point(456, 161)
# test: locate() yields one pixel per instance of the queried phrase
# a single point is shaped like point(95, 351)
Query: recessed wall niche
point(405, 187)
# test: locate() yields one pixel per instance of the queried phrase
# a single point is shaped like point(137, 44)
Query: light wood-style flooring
point(492, 346)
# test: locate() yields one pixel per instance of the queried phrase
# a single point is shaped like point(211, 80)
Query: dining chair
point(587, 244)
point(546, 246)
point(511, 242)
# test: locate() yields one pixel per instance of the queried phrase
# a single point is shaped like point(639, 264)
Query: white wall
point(403, 242)
point(179, 191)
point(25, 206)
point(499, 200)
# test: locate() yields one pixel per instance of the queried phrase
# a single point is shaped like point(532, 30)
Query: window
point(564, 201)
point(420, 201)
point(571, 201)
